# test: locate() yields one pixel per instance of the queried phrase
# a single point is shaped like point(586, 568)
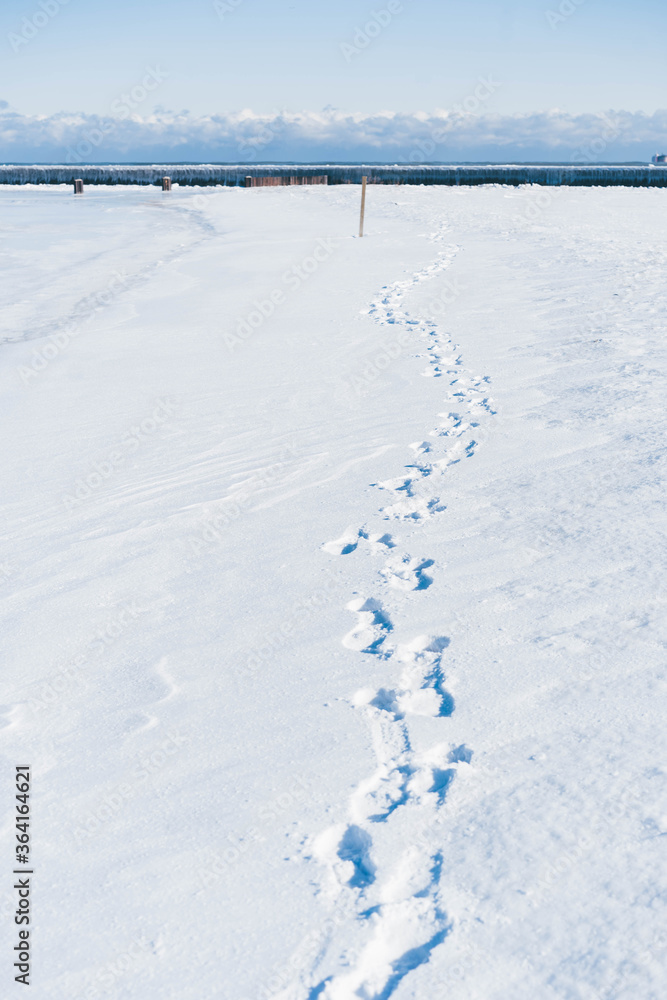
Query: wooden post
point(363, 205)
point(166, 183)
point(78, 186)
point(248, 181)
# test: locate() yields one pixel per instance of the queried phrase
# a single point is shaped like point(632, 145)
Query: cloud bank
point(330, 135)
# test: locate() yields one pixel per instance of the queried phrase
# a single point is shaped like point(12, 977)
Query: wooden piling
point(363, 205)
point(277, 180)
point(166, 183)
point(78, 186)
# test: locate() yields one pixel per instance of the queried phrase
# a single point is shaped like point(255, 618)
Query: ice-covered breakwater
point(235, 175)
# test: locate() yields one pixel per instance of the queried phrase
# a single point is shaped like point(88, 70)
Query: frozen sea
point(333, 590)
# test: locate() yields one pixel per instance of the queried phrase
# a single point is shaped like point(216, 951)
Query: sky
point(286, 57)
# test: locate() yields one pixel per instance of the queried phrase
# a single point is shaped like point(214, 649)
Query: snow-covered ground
point(332, 591)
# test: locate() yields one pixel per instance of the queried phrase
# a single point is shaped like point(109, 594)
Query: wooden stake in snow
point(78, 186)
point(166, 183)
point(363, 205)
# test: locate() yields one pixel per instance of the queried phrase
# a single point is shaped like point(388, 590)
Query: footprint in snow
point(418, 509)
point(352, 537)
point(404, 573)
point(408, 925)
point(347, 543)
point(420, 690)
point(371, 629)
point(346, 852)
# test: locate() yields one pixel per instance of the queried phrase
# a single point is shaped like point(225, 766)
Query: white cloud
point(331, 135)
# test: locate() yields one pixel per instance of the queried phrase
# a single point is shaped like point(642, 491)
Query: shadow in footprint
point(410, 961)
point(371, 629)
point(346, 544)
point(406, 773)
point(436, 872)
point(318, 990)
point(447, 704)
point(424, 580)
point(355, 847)
point(441, 782)
point(385, 701)
point(461, 755)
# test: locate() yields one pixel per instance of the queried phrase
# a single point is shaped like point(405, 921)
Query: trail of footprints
point(399, 911)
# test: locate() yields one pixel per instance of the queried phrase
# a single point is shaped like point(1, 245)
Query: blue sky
point(289, 55)
point(285, 54)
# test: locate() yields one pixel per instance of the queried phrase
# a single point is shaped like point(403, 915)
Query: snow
point(333, 590)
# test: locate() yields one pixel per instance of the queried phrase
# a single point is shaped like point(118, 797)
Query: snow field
point(344, 680)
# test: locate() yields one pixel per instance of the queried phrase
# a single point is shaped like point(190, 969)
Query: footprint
point(371, 629)
point(399, 919)
point(451, 425)
point(407, 574)
point(420, 690)
point(380, 543)
point(407, 926)
point(401, 484)
point(421, 686)
point(460, 755)
point(455, 454)
point(413, 509)
point(420, 447)
point(441, 782)
point(354, 851)
point(346, 544)
point(351, 539)
point(378, 797)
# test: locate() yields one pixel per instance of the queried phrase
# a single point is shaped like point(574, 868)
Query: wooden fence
point(282, 181)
